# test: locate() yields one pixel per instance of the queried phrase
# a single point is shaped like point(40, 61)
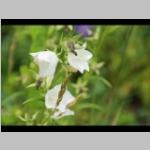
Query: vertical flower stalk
point(58, 98)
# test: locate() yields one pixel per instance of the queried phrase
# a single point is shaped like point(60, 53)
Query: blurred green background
point(125, 50)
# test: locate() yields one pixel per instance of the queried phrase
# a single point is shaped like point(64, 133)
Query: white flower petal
point(85, 54)
point(44, 55)
point(58, 114)
point(67, 98)
point(80, 61)
point(47, 62)
point(52, 96)
point(43, 68)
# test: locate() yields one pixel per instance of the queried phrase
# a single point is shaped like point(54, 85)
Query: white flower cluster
point(47, 62)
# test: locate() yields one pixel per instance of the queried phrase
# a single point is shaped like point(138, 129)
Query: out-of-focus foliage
point(118, 93)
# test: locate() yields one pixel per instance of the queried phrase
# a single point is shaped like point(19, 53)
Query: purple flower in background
point(84, 30)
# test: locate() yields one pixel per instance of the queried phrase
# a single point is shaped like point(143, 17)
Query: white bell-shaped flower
point(51, 98)
point(47, 63)
point(79, 59)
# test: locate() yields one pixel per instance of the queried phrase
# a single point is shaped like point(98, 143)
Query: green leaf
point(31, 85)
point(106, 82)
point(35, 115)
point(29, 100)
point(90, 105)
point(11, 97)
point(102, 79)
point(22, 119)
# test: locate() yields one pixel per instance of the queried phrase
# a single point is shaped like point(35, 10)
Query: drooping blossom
point(79, 59)
point(62, 109)
point(47, 63)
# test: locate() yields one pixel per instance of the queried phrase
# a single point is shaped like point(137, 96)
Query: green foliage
point(114, 92)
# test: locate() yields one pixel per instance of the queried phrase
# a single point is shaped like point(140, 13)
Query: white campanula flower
point(79, 59)
point(51, 98)
point(47, 63)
